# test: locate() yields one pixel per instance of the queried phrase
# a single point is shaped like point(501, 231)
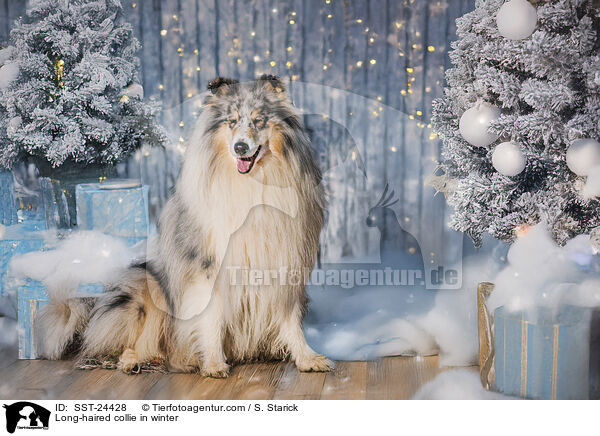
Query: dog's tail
point(130, 314)
point(60, 322)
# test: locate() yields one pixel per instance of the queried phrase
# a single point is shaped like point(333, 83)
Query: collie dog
point(249, 198)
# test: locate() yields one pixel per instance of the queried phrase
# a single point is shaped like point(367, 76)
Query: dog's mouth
point(245, 164)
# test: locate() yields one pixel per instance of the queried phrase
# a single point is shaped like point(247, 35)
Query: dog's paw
point(188, 369)
point(315, 362)
point(187, 365)
point(128, 362)
point(215, 369)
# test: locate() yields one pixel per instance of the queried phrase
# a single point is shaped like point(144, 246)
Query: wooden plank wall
point(391, 52)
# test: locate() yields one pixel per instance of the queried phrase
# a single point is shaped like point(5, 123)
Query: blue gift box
point(36, 208)
point(32, 295)
point(546, 354)
point(17, 240)
point(32, 220)
point(118, 208)
point(8, 207)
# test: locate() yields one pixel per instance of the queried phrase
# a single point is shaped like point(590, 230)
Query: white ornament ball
point(583, 155)
point(516, 19)
point(475, 122)
point(6, 54)
point(14, 123)
point(134, 90)
point(8, 74)
point(508, 159)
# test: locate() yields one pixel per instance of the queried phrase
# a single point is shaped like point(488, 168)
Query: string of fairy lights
point(267, 59)
point(407, 40)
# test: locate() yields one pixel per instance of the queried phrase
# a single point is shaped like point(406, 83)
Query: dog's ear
point(221, 85)
point(272, 83)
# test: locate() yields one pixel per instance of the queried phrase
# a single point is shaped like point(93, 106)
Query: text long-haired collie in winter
point(248, 198)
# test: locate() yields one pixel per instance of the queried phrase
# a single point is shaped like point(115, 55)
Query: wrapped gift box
point(118, 208)
point(17, 240)
point(35, 208)
point(32, 220)
point(54, 210)
point(8, 208)
point(32, 295)
point(548, 354)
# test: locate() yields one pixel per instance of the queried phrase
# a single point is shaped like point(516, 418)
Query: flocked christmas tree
point(520, 119)
point(70, 91)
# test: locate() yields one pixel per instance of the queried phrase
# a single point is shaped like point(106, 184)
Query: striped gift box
point(31, 296)
point(118, 208)
point(548, 354)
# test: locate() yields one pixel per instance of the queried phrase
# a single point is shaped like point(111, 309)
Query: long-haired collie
point(248, 205)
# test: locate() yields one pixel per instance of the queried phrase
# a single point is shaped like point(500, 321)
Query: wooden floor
point(387, 378)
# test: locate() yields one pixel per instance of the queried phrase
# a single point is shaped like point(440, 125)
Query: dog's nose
point(240, 148)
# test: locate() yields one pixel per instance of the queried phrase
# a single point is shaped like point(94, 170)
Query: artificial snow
point(457, 384)
point(365, 323)
point(540, 273)
point(83, 257)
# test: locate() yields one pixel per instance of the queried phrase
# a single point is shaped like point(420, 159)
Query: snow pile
point(540, 273)
point(457, 384)
point(370, 322)
point(83, 257)
point(366, 323)
point(452, 322)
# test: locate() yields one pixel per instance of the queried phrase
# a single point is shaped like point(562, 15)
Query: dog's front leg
point(292, 336)
point(201, 331)
point(212, 332)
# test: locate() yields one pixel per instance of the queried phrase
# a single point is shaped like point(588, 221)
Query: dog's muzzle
point(245, 164)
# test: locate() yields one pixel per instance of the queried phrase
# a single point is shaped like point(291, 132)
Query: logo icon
point(26, 415)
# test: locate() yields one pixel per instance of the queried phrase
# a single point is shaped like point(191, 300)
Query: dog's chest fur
point(255, 232)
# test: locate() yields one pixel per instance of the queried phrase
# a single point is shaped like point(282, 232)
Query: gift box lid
point(110, 185)
point(565, 315)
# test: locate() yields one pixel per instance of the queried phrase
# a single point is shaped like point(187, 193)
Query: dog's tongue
point(243, 165)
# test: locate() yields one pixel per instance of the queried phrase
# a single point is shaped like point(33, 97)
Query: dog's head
point(251, 119)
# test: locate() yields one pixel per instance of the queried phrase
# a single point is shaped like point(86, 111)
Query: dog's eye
point(259, 122)
point(232, 121)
